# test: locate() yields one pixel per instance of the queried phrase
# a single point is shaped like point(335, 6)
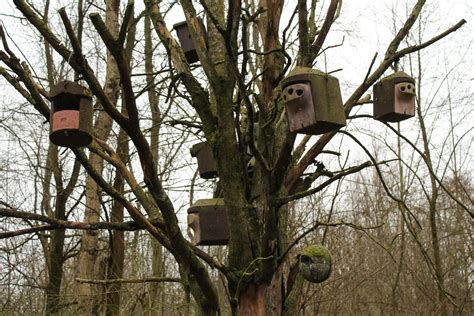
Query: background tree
point(149, 101)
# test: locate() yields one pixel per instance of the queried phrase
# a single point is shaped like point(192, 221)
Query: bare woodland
point(101, 230)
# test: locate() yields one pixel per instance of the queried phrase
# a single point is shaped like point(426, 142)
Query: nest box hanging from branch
point(208, 220)
point(394, 98)
point(207, 165)
point(186, 41)
point(313, 101)
point(315, 263)
point(71, 115)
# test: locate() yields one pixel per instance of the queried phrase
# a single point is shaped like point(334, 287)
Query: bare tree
point(234, 91)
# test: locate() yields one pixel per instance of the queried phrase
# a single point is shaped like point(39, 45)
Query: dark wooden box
point(207, 166)
point(71, 115)
point(313, 101)
point(394, 98)
point(186, 41)
point(208, 220)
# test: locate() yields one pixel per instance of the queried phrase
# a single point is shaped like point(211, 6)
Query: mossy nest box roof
point(207, 202)
point(70, 87)
point(399, 76)
point(315, 263)
point(317, 251)
point(307, 71)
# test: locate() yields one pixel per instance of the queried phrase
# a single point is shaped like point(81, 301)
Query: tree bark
point(262, 299)
point(54, 252)
point(87, 300)
point(155, 304)
point(117, 247)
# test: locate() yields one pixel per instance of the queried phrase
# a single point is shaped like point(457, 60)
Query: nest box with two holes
point(207, 165)
point(186, 41)
point(313, 101)
point(208, 220)
point(394, 98)
point(71, 115)
point(315, 263)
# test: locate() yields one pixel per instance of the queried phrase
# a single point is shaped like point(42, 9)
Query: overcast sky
point(367, 26)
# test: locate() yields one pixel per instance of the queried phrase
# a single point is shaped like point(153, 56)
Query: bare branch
point(320, 187)
point(61, 224)
point(316, 149)
point(318, 43)
point(144, 280)
point(393, 46)
point(415, 48)
point(125, 23)
point(319, 224)
point(432, 172)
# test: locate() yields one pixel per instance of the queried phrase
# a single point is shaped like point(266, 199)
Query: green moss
point(208, 202)
point(317, 251)
point(305, 70)
point(398, 74)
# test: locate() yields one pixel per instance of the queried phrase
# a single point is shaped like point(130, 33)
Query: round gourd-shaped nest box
point(315, 263)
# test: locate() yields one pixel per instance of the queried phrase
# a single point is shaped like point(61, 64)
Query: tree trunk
point(56, 259)
point(117, 247)
point(90, 243)
point(117, 250)
point(54, 252)
point(155, 299)
point(252, 301)
point(262, 299)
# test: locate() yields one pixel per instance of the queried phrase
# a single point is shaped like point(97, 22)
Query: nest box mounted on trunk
point(394, 98)
point(186, 41)
point(208, 220)
point(207, 166)
point(71, 115)
point(313, 101)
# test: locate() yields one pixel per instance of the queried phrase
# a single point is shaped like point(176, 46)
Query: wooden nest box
point(207, 165)
point(315, 263)
point(313, 101)
point(186, 41)
point(394, 98)
point(71, 115)
point(208, 220)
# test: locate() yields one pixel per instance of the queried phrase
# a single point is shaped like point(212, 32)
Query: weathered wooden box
point(394, 98)
point(186, 41)
point(207, 165)
point(208, 220)
point(313, 101)
point(71, 115)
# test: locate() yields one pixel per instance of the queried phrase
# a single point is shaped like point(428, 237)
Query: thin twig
point(144, 280)
point(318, 224)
